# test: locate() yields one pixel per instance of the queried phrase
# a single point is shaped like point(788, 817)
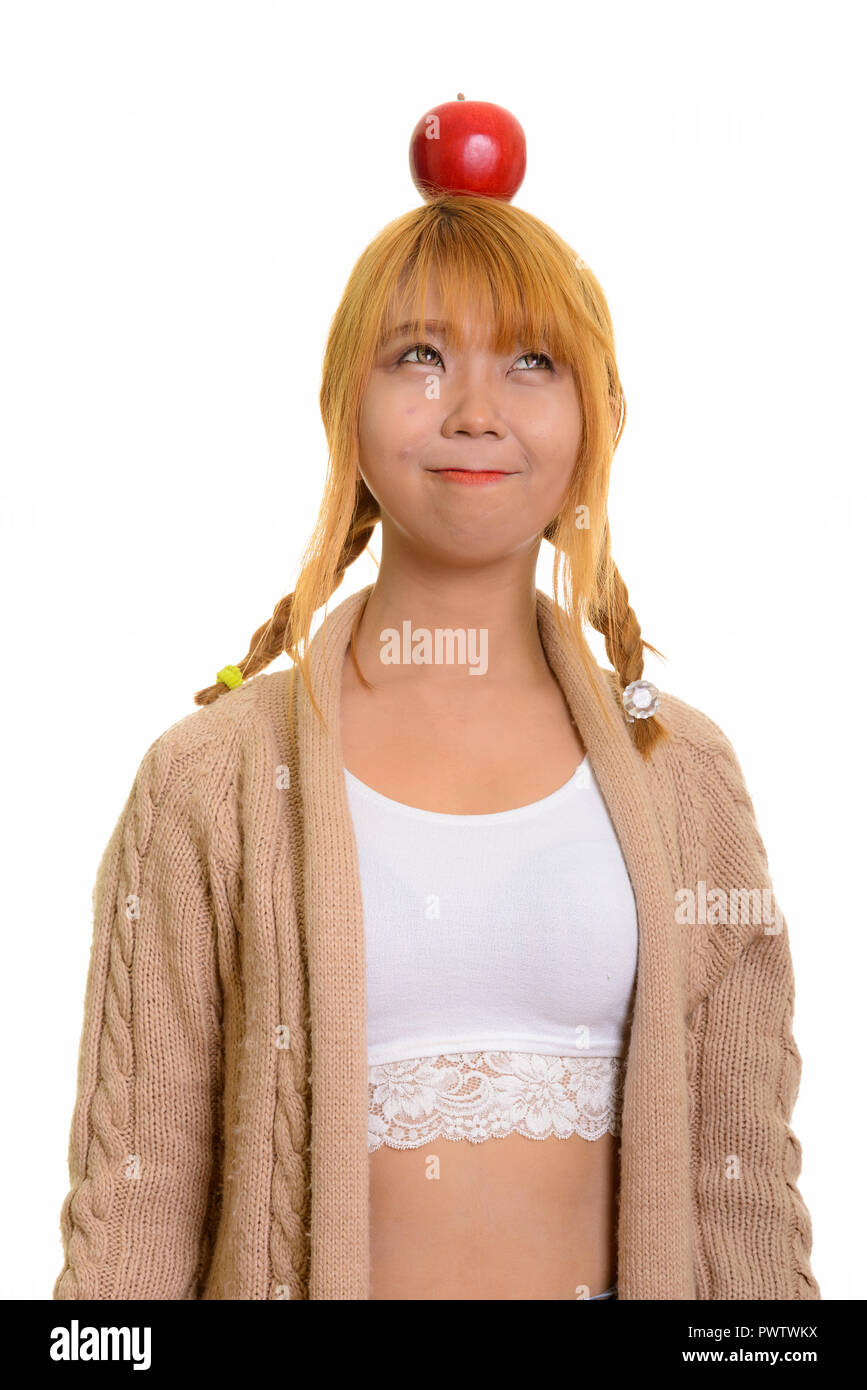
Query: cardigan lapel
point(655, 1220)
point(334, 926)
point(654, 1243)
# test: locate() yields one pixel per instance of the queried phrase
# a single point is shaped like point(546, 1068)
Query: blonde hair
point(518, 274)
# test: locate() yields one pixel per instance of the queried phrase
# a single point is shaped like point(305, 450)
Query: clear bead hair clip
point(640, 700)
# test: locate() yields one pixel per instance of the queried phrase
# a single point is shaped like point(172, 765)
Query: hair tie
point(640, 700)
point(230, 676)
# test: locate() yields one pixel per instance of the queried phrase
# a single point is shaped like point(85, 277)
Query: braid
point(269, 640)
point(612, 615)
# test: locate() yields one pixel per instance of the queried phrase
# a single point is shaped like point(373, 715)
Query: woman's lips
point(470, 478)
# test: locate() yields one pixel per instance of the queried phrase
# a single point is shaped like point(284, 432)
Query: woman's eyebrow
point(429, 326)
point(401, 330)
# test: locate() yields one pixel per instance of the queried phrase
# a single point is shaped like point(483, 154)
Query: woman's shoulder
point(696, 755)
point(689, 729)
point(705, 758)
point(260, 705)
point(693, 726)
point(205, 750)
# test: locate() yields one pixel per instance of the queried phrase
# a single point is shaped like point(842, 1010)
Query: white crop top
point(501, 954)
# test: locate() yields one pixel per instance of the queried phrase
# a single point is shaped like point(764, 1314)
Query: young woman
point(440, 966)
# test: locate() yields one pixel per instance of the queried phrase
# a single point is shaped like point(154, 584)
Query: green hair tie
point(230, 676)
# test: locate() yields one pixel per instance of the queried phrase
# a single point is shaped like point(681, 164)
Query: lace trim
point(484, 1095)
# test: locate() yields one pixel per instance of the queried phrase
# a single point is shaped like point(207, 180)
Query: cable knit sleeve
point(753, 1230)
point(141, 1151)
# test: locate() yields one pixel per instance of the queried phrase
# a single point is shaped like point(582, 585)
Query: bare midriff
point(509, 1217)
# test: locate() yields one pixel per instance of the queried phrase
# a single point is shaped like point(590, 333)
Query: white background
point(186, 187)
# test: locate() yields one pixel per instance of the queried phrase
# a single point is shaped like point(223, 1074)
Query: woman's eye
point(420, 347)
point(543, 356)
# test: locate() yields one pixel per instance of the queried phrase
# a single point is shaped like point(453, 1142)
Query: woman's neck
point(451, 630)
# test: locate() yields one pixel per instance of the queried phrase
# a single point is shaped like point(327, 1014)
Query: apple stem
point(461, 96)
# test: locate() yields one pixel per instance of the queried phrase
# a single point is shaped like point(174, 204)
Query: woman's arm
point(141, 1150)
point(753, 1229)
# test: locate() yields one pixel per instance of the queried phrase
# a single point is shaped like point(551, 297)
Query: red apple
point(468, 147)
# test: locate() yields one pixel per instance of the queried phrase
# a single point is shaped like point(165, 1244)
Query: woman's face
point(428, 408)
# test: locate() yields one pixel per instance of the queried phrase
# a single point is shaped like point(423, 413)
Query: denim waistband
point(606, 1293)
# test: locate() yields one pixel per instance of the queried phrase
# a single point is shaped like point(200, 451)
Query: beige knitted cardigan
point(218, 1147)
